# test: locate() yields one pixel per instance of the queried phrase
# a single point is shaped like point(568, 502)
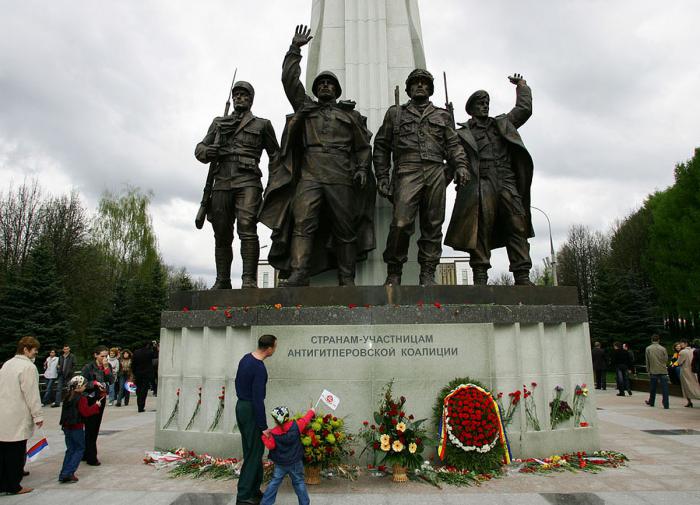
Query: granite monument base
point(352, 341)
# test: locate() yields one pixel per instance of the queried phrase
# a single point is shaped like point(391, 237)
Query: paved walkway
point(664, 469)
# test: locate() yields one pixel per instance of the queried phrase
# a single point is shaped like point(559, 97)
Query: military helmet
point(76, 382)
point(280, 414)
point(327, 74)
point(246, 86)
point(477, 95)
point(417, 73)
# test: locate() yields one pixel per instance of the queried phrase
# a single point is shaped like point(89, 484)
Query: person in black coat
point(98, 376)
point(142, 369)
point(599, 365)
point(622, 362)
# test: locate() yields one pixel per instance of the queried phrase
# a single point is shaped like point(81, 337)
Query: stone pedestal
point(352, 341)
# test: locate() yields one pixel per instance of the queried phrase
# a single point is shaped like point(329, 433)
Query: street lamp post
point(551, 246)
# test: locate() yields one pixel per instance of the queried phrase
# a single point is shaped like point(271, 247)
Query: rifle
point(206, 193)
point(394, 139)
point(448, 105)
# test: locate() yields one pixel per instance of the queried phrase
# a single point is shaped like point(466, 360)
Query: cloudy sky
point(98, 95)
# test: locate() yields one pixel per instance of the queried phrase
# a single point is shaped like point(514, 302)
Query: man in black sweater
point(251, 381)
point(142, 369)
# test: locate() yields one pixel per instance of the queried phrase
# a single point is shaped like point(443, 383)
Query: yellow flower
point(385, 447)
point(397, 446)
point(385, 439)
point(401, 427)
point(412, 448)
point(585, 391)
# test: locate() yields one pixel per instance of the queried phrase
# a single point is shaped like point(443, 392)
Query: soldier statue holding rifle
point(233, 146)
point(418, 137)
point(493, 210)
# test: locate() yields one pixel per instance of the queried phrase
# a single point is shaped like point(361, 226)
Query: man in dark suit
point(142, 369)
point(599, 365)
point(493, 210)
point(66, 368)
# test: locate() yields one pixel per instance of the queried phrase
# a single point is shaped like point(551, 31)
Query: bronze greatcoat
point(310, 193)
point(483, 188)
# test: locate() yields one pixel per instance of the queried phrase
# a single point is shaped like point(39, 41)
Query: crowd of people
point(682, 368)
point(108, 377)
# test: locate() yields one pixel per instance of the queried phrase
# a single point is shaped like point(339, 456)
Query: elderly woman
point(20, 413)
point(689, 381)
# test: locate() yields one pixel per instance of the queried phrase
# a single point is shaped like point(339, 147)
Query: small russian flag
point(35, 451)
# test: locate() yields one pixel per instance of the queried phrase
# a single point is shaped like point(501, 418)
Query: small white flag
point(330, 399)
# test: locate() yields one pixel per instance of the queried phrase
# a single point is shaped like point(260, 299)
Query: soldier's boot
point(250, 253)
point(522, 278)
point(223, 256)
point(300, 254)
point(393, 274)
point(427, 274)
point(481, 276)
point(347, 257)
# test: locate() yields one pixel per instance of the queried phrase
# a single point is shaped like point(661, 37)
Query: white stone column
point(372, 46)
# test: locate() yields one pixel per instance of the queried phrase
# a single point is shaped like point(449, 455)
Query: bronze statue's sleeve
point(456, 156)
point(523, 106)
point(291, 71)
point(382, 145)
point(200, 150)
point(270, 141)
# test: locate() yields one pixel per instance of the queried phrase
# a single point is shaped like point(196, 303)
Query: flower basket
point(312, 474)
point(399, 473)
point(326, 444)
point(397, 439)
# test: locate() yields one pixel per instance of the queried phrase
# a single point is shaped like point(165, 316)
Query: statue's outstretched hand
point(302, 36)
point(517, 79)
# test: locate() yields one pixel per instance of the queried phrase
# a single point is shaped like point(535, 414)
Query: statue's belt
point(231, 158)
point(342, 151)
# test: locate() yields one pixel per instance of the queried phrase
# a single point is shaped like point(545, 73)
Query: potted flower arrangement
point(396, 439)
point(325, 444)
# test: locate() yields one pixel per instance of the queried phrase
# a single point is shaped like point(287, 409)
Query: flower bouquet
point(580, 395)
point(559, 410)
point(531, 406)
point(326, 444)
point(513, 403)
point(395, 438)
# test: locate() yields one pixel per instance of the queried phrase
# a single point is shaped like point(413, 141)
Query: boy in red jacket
point(284, 443)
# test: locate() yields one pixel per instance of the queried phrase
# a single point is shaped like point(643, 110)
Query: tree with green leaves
point(674, 241)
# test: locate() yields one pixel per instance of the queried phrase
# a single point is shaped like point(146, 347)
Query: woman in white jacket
point(20, 413)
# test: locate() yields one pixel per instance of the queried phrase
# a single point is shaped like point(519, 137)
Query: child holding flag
point(74, 410)
point(284, 443)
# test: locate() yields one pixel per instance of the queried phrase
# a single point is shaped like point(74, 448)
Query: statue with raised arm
point(493, 210)
point(319, 201)
point(233, 146)
point(418, 137)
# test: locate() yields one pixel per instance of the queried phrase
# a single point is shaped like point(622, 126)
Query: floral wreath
point(471, 420)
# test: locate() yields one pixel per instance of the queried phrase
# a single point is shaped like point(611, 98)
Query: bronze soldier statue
point(234, 144)
point(493, 210)
point(319, 197)
point(419, 137)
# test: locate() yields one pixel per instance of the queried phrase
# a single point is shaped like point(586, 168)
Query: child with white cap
point(286, 451)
